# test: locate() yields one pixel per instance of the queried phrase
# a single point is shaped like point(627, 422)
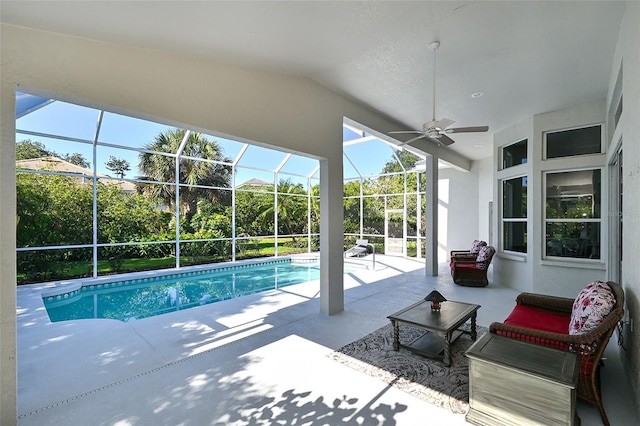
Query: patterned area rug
point(425, 378)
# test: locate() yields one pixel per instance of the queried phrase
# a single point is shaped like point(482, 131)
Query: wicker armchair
point(589, 346)
point(471, 271)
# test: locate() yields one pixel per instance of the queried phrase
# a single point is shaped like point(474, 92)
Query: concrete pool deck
point(257, 359)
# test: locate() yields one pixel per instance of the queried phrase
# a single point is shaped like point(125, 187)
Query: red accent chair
point(471, 271)
point(545, 320)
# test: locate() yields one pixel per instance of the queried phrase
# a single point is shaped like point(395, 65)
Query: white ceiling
point(527, 57)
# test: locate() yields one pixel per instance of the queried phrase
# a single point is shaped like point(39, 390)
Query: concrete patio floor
point(256, 360)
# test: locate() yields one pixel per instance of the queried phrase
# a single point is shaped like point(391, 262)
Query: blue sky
point(78, 122)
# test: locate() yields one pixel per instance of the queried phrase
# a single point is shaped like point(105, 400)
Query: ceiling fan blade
point(414, 139)
point(468, 129)
point(405, 131)
point(444, 123)
point(445, 140)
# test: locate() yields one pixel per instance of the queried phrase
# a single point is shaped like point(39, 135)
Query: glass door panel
point(395, 233)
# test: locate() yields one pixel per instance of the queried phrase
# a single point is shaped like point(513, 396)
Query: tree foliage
point(119, 166)
point(53, 210)
point(162, 168)
point(28, 149)
point(75, 158)
point(291, 209)
point(58, 210)
point(249, 203)
point(126, 217)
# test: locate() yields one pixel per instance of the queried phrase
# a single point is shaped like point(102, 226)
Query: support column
point(431, 217)
point(8, 365)
point(331, 236)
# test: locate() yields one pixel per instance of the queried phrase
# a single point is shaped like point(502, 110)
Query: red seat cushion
point(469, 268)
point(526, 316)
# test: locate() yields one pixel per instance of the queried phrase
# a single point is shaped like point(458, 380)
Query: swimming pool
point(148, 296)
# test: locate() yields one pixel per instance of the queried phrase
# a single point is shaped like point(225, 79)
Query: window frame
point(502, 153)
point(600, 220)
point(546, 133)
point(504, 220)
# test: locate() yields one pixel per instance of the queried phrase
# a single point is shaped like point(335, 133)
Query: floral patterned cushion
point(477, 245)
point(485, 253)
point(590, 308)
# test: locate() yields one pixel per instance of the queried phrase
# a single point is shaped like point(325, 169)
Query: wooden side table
point(512, 382)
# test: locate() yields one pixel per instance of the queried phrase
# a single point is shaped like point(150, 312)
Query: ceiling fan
point(437, 130)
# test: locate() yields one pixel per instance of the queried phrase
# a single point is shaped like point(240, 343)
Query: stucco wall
point(628, 54)
point(514, 270)
point(483, 169)
point(557, 277)
point(457, 190)
point(530, 271)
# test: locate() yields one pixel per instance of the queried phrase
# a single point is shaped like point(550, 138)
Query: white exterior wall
point(512, 270)
point(484, 172)
point(628, 130)
point(529, 271)
point(457, 223)
point(569, 277)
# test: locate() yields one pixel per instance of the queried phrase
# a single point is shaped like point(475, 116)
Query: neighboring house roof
point(55, 164)
point(255, 182)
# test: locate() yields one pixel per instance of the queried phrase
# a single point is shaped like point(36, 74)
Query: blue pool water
point(150, 296)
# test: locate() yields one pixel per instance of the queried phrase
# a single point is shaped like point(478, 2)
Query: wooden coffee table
point(443, 327)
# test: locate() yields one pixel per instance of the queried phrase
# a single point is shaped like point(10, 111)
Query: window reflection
point(568, 143)
point(573, 195)
point(515, 236)
point(514, 154)
point(514, 197)
point(573, 204)
point(580, 240)
point(514, 214)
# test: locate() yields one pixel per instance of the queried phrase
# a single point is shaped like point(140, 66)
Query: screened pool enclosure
point(101, 193)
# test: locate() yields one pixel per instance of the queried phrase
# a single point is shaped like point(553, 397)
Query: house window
point(514, 154)
point(572, 214)
point(568, 143)
point(514, 214)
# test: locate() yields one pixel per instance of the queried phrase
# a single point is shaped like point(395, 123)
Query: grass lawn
point(80, 269)
point(247, 250)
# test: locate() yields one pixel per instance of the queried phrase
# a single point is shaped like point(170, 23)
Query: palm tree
point(161, 168)
point(292, 208)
